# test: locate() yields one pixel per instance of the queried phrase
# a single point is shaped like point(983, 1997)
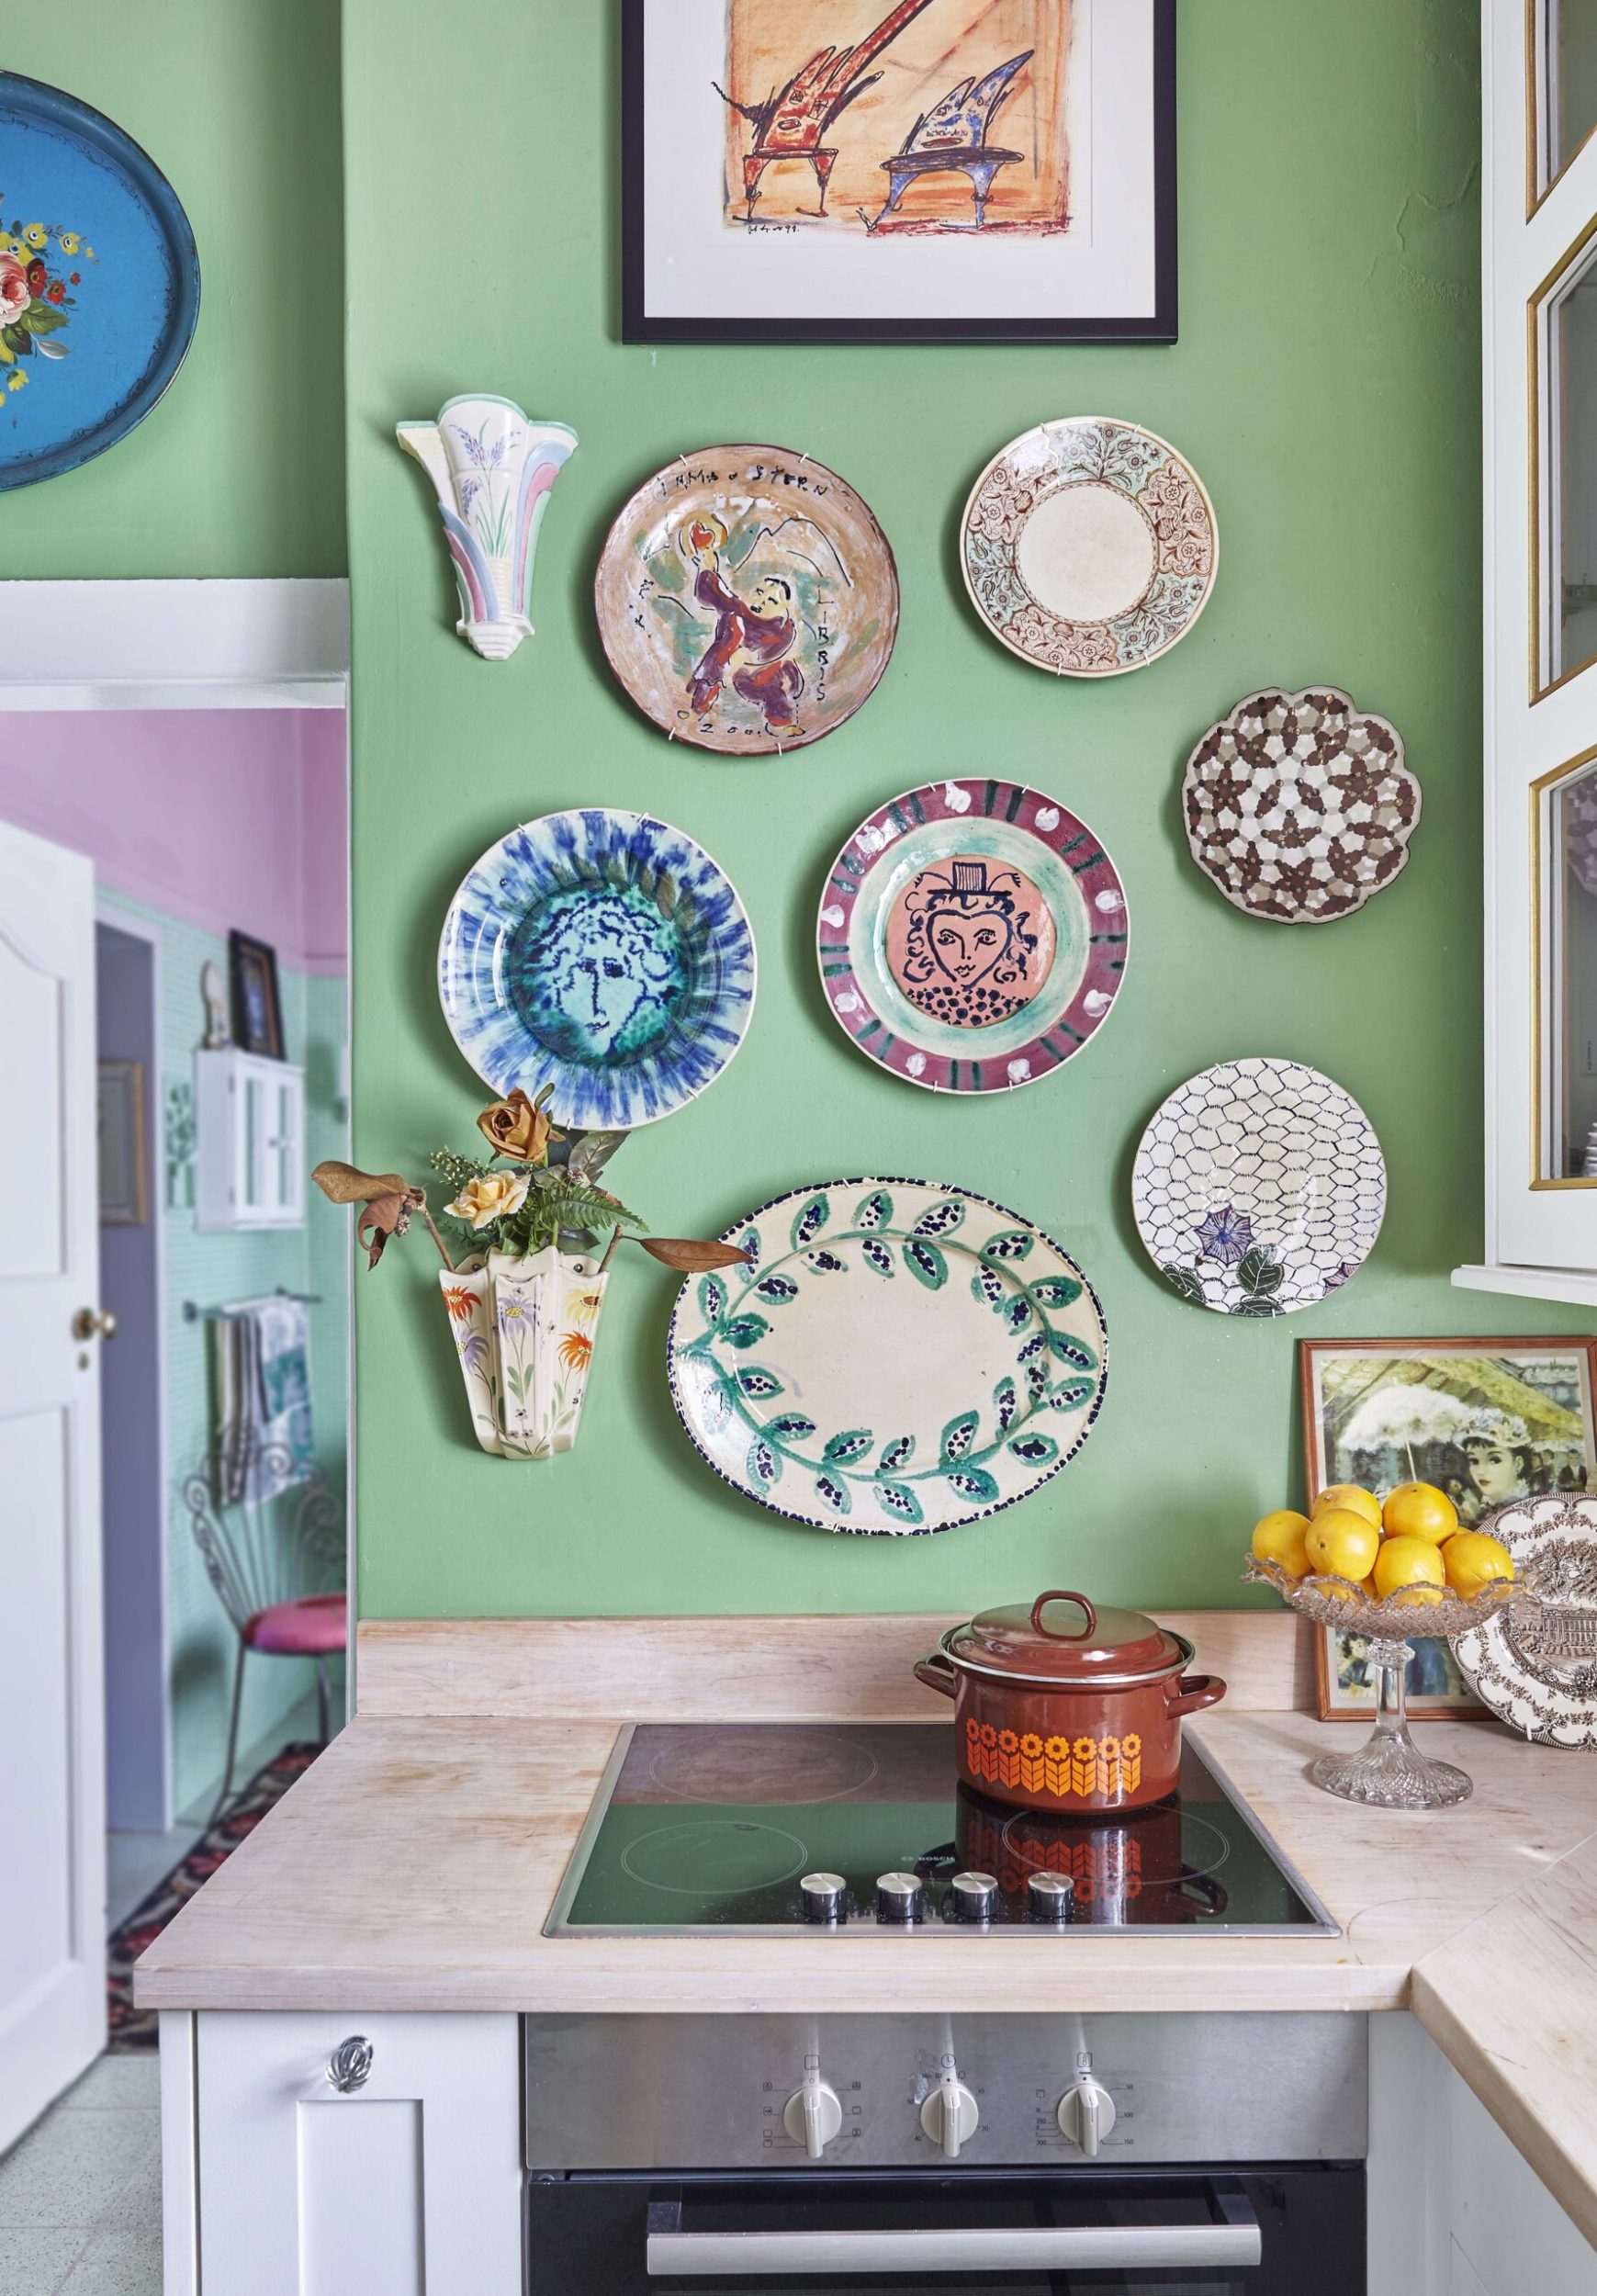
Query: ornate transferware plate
point(1089, 546)
point(99, 282)
point(1534, 1662)
point(1299, 806)
point(972, 935)
point(747, 600)
point(894, 1356)
point(602, 954)
point(1259, 1188)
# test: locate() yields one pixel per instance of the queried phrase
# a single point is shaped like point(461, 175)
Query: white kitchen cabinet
point(409, 2185)
point(249, 1117)
point(1539, 324)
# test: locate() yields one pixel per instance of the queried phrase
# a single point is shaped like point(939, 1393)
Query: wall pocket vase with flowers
point(524, 1306)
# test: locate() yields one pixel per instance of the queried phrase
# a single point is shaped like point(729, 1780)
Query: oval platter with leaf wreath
point(894, 1356)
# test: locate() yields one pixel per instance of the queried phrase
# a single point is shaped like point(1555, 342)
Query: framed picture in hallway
point(1484, 1420)
point(123, 1202)
point(879, 170)
point(257, 1005)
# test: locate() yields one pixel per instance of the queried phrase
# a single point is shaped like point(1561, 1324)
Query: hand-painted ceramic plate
point(605, 954)
point(99, 282)
point(972, 935)
point(896, 1356)
point(1089, 546)
point(1298, 806)
point(747, 600)
point(1544, 1697)
point(1259, 1188)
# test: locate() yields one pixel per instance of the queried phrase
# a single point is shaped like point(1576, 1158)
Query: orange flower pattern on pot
point(1080, 1769)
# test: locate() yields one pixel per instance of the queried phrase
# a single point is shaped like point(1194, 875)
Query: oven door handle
point(1234, 2244)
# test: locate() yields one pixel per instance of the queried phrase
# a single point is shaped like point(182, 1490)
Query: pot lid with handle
point(1064, 1637)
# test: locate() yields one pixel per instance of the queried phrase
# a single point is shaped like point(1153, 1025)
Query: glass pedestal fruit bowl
point(1389, 1770)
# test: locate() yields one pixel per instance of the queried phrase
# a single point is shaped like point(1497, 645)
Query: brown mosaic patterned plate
point(1299, 806)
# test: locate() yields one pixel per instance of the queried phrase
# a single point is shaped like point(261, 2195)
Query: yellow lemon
point(1419, 1511)
point(1278, 1538)
point(1472, 1560)
point(1362, 1593)
point(1355, 1498)
point(1409, 1562)
point(1343, 1542)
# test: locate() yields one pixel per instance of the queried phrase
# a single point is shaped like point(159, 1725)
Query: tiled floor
point(79, 2196)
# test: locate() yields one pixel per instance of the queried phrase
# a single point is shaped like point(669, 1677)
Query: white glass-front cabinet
point(249, 1129)
point(1539, 318)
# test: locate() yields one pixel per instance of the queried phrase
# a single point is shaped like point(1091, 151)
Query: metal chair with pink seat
point(277, 1563)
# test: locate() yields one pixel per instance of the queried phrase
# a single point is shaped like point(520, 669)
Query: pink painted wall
point(224, 818)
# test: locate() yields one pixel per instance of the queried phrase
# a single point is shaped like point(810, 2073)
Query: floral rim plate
point(894, 1358)
point(602, 954)
point(1555, 1704)
point(747, 600)
point(972, 935)
point(1299, 806)
point(1089, 546)
point(99, 283)
point(1259, 1188)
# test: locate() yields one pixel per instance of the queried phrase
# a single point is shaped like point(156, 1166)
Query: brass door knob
point(94, 1323)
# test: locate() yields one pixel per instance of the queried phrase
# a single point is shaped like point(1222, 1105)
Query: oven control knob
point(950, 2115)
point(826, 1898)
point(813, 2116)
point(900, 1898)
point(973, 1897)
point(1086, 2114)
point(1051, 1899)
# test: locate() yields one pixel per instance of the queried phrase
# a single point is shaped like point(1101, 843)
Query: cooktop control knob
point(900, 1898)
point(1086, 2113)
point(825, 1897)
point(950, 2114)
point(812, 2115)
point(973, 1899)
point(1051, 1899)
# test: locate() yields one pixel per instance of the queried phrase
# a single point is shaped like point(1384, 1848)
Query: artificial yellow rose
point(517, 1129)
point(494, 1196)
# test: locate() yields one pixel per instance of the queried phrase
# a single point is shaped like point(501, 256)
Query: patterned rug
point(132, 2028)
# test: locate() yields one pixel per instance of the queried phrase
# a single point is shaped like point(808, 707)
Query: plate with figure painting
point(604, 955)
point(972, 935)
point(890, 1357)
point(746, 600)
point(1089, 546)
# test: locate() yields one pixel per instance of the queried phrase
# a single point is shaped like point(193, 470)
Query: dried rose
point(517, 1129)
point(494, 1196)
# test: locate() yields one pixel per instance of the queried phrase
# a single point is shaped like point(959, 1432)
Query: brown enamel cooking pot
point(1070, 1712)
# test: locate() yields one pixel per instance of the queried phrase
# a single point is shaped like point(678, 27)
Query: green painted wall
point(239, 470)
point(1326, 386)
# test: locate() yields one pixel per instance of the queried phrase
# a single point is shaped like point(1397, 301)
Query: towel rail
point(194, 1314)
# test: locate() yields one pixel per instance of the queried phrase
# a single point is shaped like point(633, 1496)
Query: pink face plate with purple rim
point(963, 865)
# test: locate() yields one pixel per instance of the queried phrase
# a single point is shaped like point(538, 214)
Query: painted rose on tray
point(36, 294)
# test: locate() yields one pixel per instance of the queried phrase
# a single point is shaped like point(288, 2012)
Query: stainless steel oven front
point(1159, 2153)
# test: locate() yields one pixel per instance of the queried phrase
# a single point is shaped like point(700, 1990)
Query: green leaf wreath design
point(1055, 1371)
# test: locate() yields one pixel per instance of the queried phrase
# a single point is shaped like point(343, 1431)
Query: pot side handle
point(937, 1673)
point(1194, 1691)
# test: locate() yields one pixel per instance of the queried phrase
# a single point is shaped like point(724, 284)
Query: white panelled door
point(53, 1853)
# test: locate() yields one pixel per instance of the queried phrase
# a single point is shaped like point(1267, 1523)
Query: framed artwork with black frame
point(858, 171)
point(123, 1202)
point(1485, 1420)
point(257, 1005)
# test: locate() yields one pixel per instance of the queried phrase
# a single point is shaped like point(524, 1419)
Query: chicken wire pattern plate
point(1259, 1188)
point(1299, 806)
point(1554, 1703)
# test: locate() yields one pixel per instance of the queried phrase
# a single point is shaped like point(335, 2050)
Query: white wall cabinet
point(410, 2185)
point(1539, 323)
point(249, 1117)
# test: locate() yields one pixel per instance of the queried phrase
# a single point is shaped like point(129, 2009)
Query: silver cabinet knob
point(1086, 2114)
point(900, 1898)
point(813, 2115)
point(825, 1898)
point(350, 2066)
point(94, 1323)
point(950, 2115)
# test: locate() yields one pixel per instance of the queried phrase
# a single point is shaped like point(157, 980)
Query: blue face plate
point(602, 954)
point(99, 282)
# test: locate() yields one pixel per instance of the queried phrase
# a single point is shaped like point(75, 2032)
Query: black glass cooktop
point(703, 1827)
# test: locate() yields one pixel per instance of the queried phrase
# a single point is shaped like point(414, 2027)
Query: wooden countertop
point(414, 1864)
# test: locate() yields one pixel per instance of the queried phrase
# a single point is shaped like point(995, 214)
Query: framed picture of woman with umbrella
point(1485, 1420)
